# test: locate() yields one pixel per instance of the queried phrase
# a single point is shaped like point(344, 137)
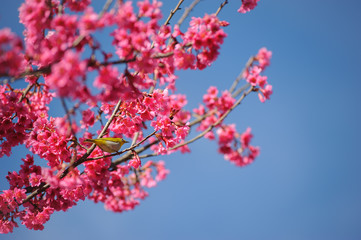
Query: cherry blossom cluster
point(11, 53)
point(45, 141)
point(120, 190)
point(66, 77)
point(206, 35)
point(15, 118)
point(138, 39)
point(247, 5)
point(253, 74)
point(137, 101)
point(236, 147)
point(215, 106)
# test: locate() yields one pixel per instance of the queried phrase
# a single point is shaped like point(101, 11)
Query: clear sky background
point(306, 184)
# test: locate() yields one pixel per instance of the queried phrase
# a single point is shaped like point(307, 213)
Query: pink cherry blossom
point(247, 5)
point(246, 138)
point(11, 53)
point(77, 5)
point(206, 36)
point(129, 92)
point(264, 57)
point(135, 161)
point(265, 93)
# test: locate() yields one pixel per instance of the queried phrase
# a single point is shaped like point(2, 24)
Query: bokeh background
point(306, 184)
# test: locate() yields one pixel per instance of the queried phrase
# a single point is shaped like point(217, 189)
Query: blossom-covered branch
point(132, 89)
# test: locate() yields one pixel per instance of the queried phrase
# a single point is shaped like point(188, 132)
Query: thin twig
point(120, 61)
point(201, 118)
point(172, 12)
point(81, 37)
point(37, 73)
point(220, 7)
point(26, 91)
point(239, 91)
point(240, 76)
point(110, 119)
point(135, 137)
point(61, 7)
point(36, 192)
point(186, 12)
point(68, 116)
point(105, 8)
point(129, 155)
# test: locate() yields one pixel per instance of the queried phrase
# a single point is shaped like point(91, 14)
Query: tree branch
point(209, 128)
point(124, 150)
point(105, 8)
point(80, 160)
point(218, 121)
point(220, 7)
point(240, 76)
point(172, 12)
point(186, 12)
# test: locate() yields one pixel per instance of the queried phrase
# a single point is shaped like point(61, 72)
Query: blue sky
point(306, 184)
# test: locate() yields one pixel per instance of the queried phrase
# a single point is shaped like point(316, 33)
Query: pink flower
point(162, 172)
point(183, 59)
point(210, 98)
point(206, 36)
point(77, 5)
point(45, 141)
point(200, 110)
point(247, 5)
point(35, 180)
point(264, 57)
point(11, 55)
point(7, 226)
point(182, 132)
point(246, 138)
point(225, 102)
point(88, 22)
point(135, 161)
point(88, 119)
point(163, 124)
point(150, 10)
point(226, 134)
point(66, 77)
point(266, 93)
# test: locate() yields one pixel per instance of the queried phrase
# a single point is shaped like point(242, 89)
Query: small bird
point(109, 145)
